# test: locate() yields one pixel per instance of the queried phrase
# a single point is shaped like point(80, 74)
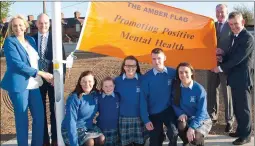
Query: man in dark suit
point(44, 41)
point(238, 65)
point(215, 79)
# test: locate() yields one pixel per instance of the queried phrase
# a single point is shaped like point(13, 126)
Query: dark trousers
point(168, 118)
point(183, 128)
point(47, 88)
point(242, 110)
point(215, 81)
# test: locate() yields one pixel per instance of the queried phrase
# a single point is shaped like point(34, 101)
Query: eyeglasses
point(130, 66)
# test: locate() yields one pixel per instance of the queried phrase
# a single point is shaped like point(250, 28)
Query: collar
point(124, 76)
point(83, 94)
point(155, 71)
point(222, 22)
point(236, 35)
point(190, 85)
point(40, 35)
point(103, 95)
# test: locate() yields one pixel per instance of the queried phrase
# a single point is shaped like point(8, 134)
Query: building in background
point(71, 27)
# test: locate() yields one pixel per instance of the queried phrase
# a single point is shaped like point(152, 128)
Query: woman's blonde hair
point(9, 30)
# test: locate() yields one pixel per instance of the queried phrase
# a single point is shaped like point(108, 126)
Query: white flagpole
point(58, 68)
point(253, 114)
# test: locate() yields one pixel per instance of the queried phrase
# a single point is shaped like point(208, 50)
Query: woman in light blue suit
point(22, 80)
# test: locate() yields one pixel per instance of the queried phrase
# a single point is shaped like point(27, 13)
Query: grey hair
point(219, 5)
point(40, 15)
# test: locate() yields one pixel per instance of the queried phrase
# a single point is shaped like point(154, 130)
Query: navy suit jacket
point(49, 53)
point(238, 62)
point(18, 69)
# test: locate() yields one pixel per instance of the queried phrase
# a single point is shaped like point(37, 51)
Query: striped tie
point(42, 62)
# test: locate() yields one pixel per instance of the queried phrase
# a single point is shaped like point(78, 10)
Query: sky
point(68, 8)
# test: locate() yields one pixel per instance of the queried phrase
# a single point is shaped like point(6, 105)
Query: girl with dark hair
point(190, 106)
point(132, 130)
point(78, 128)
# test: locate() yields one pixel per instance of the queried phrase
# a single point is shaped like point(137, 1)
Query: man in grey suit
point(215, 79)
point(238, 64)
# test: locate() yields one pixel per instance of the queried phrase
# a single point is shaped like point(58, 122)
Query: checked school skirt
point(132, 129)
point(111, 137)
point(205, 127)
point(83, 134)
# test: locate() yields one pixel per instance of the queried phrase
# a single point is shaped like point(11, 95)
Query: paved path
point(211, 140)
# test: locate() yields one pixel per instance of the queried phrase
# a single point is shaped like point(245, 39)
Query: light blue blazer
point(18, 69)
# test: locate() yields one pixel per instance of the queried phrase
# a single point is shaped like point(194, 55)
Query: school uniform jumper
point(78, 126)
point(155, 105)
point(131, 127)
point(193, 103)
point(107, 121)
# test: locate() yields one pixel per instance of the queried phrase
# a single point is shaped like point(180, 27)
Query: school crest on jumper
point(138, 89)
point(96, 99)
point(192, 98)
point(169, 81)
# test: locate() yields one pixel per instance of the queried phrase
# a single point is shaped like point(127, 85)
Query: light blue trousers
point(21, 102)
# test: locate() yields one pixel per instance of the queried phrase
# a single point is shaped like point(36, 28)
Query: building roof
point(70, 22)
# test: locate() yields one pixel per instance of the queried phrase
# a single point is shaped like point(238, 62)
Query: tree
point(4, 9)
point(248, 13)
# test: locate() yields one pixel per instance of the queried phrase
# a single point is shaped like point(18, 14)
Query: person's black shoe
point(241, 141)
point(229, 128)
point(234, 134)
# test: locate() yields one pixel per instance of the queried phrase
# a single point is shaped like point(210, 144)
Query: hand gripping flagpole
point(58, 68)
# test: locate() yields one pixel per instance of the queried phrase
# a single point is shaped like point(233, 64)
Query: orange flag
point(120, 29)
